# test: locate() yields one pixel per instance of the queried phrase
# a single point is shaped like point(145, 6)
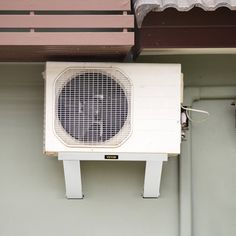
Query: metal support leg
point(71, 163)
point(73, 179)
point(152, 179)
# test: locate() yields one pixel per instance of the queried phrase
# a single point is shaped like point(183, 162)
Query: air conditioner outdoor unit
point(112, 111)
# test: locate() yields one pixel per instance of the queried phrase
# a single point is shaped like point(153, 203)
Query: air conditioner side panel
point(51, 143)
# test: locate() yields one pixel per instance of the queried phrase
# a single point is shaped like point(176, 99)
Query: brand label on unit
point(111, 157)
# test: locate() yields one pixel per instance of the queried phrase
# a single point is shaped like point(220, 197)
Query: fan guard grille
point(92, 107)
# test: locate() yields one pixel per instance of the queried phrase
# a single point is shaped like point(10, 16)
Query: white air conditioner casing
point(112, 111)
point(155, 92)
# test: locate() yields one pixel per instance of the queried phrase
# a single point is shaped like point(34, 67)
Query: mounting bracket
point(72, 172)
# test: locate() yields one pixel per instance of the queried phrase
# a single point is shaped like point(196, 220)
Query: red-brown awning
point(33, 30)
point(195, 31)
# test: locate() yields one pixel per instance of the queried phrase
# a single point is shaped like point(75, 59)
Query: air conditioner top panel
point(112, 107)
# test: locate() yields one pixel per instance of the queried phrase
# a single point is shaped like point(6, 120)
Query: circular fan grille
point(92, 108)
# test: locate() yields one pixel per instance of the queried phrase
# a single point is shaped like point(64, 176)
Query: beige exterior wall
point(32, 186)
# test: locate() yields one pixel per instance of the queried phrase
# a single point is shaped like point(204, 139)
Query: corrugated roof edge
point(143, 7)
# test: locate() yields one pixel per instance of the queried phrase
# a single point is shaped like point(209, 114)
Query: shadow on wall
point(201, 70)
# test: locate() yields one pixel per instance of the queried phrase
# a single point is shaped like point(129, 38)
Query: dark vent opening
point(92, 107)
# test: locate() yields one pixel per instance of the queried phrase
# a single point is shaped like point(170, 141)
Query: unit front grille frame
point(121, 80)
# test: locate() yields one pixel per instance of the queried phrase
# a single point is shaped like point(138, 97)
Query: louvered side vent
point(92, 107)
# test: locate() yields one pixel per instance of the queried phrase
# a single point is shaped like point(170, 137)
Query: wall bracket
point(72, 172)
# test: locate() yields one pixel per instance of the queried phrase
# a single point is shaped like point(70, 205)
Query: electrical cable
point(187, 109)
